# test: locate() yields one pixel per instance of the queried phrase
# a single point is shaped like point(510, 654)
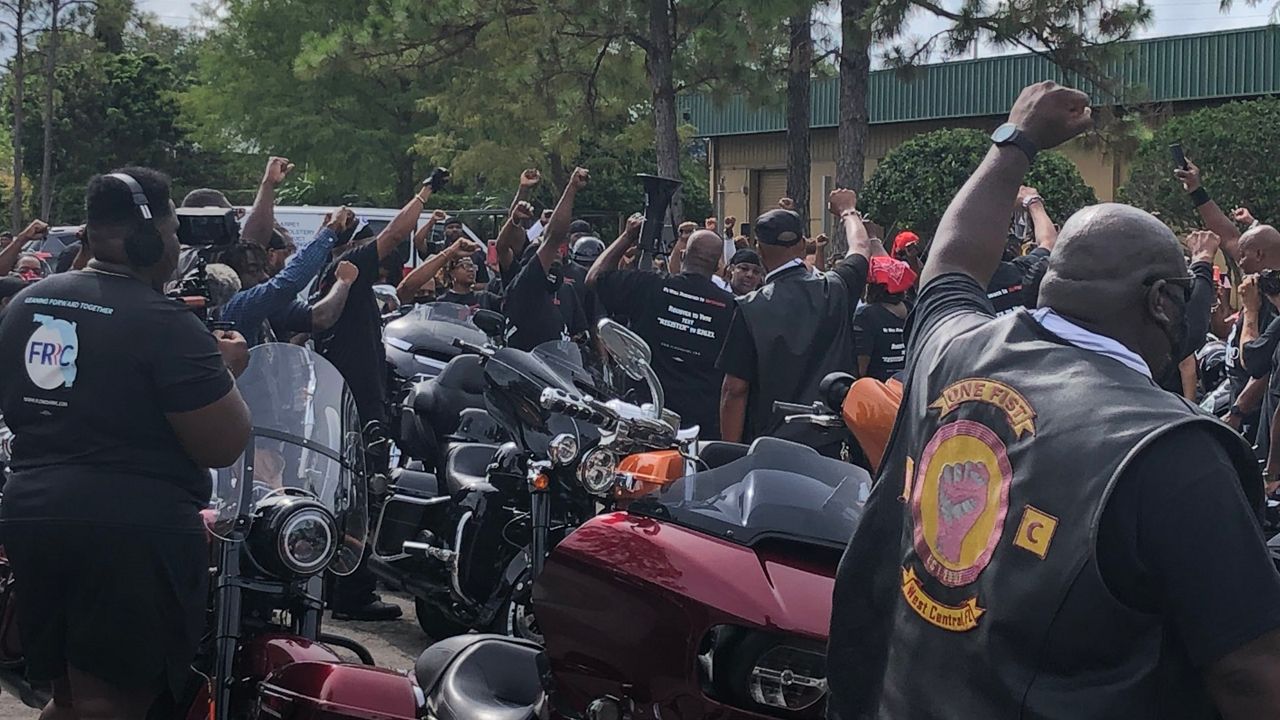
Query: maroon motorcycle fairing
point(322, 690)
point(625, 602)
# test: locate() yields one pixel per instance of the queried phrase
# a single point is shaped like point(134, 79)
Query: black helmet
point(586, 250)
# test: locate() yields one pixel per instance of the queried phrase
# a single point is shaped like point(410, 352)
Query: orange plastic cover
point(869, 410)
point(651, 470)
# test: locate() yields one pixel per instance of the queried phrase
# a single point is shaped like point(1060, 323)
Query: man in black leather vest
point(788, 335)
point(1052, 535)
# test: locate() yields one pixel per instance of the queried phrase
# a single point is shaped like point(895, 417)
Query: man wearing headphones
point(118, 398)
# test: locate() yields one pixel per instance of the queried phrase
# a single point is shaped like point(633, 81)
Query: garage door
point(771, 185)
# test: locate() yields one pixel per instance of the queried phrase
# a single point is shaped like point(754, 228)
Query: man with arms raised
point(1052, 535)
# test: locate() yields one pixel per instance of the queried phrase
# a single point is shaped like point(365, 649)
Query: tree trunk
point(658, 66)
point(798, 69)
point(855, 76)
point(19, 81)
point(406, 180)
point(50, 67)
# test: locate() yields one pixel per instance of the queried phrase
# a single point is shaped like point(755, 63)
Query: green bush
point(915, 182)
point(1230, 143)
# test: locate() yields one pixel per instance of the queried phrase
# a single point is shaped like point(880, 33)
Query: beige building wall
point(752, 168)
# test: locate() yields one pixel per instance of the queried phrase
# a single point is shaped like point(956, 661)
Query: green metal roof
point(1226, 64)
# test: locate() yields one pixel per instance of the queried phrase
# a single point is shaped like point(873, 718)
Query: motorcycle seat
point(465, 464)
point(482, 677)
point(718, 452)
point(415, 483)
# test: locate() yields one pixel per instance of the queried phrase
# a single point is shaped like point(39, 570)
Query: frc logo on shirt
point(51, 353)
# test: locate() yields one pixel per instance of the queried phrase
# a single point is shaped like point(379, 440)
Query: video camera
point(208, 227)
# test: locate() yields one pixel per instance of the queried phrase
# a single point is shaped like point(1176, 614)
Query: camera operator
point(264, 297)
point(119, 398)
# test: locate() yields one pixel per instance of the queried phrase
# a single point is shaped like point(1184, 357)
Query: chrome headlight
point(598, 471)
point(763, 672)
point(293, 536)
point(563, 449)
point(788, 678)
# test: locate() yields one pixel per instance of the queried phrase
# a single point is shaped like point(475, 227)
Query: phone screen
point(1179, 159)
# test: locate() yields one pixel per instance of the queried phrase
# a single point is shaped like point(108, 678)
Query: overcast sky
point(1172, 17)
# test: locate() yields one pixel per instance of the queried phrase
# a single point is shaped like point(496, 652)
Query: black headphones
point(144, 247)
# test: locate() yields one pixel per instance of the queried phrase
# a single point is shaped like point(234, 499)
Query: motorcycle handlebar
point(467, 347)
point(585, 409)
point(793, 408)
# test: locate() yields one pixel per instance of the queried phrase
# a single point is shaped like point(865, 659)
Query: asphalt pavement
point(394, 645)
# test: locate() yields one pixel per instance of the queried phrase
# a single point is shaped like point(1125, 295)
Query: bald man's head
point(1260, 249)
point(703, 254)
point(1110, 272)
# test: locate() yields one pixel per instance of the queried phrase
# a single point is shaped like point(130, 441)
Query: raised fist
point(1203, 245)
point(1050, 114)
point(522, 211)
point(822, 240)
point(347, 272)
point(463, 247)
point(730, 223)
point(580, 177)
point(530, 178)
point(35, 231)
point(1250, 295)
point(439, 216)
point(1025, 193)
point(634, 223)
point(842, 200)
point(277, 170)
point(787, 203)
point(340, 220)
point(1243, 216)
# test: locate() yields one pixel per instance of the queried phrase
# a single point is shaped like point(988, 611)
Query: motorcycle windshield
point(431, 327)
point(564, 357)
point(306, 437)
point(783, 491)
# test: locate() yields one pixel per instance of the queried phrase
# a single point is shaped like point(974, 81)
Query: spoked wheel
point(437, 623)
point(515, 617)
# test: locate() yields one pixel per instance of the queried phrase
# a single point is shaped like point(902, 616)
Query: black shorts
point(124, 604)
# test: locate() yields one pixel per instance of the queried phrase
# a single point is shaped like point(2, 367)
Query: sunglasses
point(1187, 283)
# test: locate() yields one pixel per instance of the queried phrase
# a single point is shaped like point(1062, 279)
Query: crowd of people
point(1053, 510)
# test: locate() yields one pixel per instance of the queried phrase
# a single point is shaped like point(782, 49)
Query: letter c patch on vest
point(1035, 532)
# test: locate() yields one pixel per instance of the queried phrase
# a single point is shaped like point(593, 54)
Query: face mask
point(30, 275)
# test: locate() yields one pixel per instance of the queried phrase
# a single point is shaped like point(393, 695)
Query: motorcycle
point(292, 509)
point(438, 411)
point(468, 541)
point(713, 591)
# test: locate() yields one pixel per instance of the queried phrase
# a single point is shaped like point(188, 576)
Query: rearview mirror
point(386, 295)
point(632, 354)
point(625, 347)
point(493, 324)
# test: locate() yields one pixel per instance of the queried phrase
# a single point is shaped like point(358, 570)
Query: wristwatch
point(1026, 204)
point(1009, 134)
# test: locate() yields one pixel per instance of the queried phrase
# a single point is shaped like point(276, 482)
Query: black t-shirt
point(354, 343)
point(576, 276)
point(684, 319)
point(481, 259)
point(878, 334)
point(1177, 536)
point(90, 363)
point(482, 300)
point(1005, 291)
point(1259, 357)
point(539, 313)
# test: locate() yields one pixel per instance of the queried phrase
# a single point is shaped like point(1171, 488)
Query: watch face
point(1004, 133)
